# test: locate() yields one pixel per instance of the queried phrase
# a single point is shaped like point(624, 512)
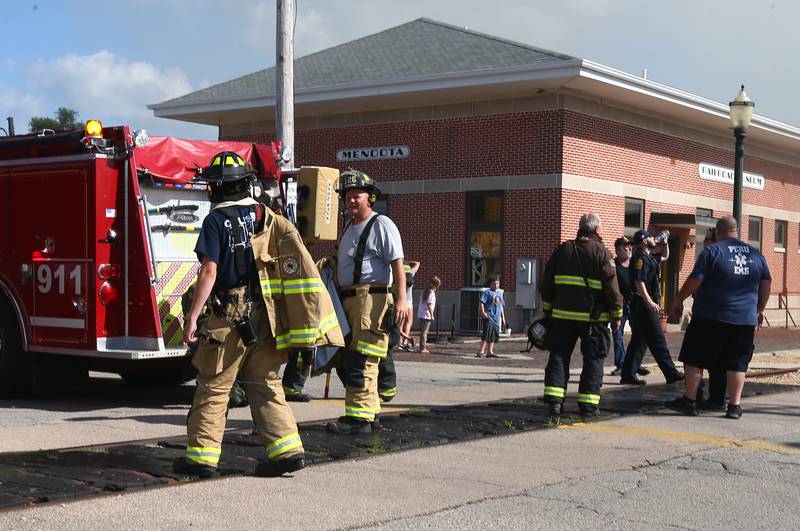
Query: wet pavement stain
point(30, 478)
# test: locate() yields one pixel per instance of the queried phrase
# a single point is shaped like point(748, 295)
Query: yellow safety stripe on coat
point(585, 398)
point(359, 412)
point(391, 391)
point(270, 286)
point(370, 349)
point(203, 454)
point(571, 280)
point(547, 306)
point(304, 336)
point(327, 324)
point(579, 316)
point(302, 285)
point(296, 336)
point(282, 341)
point(617, 314)
point(283, 445)
point(558, 392)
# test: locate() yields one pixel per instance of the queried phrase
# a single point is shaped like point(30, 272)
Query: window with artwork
point(484, 236)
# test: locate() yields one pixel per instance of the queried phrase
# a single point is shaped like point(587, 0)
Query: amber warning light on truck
point(94, 128)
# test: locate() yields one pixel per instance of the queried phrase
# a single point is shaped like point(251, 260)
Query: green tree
point(64, 118)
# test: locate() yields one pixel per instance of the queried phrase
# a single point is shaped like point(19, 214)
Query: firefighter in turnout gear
point(369, 258)
point(263, 291)
point(580, 295)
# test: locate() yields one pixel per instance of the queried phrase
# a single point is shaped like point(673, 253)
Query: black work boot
point(734, 411)
point(675, 378)
point(375, 424)
point(587, 412)
point(297, 396)
point(386, 395)
point(349, 426)
point(272, 469)
point(554, 409)
point(632, 380)
point(184, 465)
point(237, 397)
point(684, 405)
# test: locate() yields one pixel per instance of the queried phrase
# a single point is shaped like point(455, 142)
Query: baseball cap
point(622, 241)
point(641, 235)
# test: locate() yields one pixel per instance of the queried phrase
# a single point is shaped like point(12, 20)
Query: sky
point(108, 60)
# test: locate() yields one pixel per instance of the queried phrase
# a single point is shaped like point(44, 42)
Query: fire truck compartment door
point(58, 240)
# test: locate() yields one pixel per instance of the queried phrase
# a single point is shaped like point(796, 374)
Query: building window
point(704, 212)
point(781, 228)
point(754, 231)
point(484, 236)
point(634, 215)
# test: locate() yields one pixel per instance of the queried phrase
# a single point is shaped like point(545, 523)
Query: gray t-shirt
point(383, 247)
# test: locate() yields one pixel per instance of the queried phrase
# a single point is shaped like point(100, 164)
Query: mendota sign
point(373, 153)
point(725, 175)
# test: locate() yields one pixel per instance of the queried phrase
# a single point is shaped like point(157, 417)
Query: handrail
point(783, 304)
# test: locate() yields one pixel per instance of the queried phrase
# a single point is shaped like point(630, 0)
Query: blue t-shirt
point(493, 302)
point(218, 241)
point(731, 271)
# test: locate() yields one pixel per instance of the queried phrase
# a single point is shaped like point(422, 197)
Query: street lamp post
point(741, 111)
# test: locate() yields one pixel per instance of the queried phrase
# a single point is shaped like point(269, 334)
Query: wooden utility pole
point(284, 80)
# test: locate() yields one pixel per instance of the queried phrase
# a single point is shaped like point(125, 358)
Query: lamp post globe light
point(741, 111)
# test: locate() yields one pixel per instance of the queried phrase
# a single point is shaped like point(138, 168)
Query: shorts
point(712, 344)
point(491, 333)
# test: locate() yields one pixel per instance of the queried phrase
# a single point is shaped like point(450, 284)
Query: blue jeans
point(619, 346)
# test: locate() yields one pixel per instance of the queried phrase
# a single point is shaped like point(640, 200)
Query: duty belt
point(352, 292)
point(221, 300)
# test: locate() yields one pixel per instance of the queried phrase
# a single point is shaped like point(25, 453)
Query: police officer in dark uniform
point(645, 273)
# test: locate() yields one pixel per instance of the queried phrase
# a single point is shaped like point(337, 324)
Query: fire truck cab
point(97, 231)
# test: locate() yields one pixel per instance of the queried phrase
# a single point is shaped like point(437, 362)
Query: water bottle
point(662, 237)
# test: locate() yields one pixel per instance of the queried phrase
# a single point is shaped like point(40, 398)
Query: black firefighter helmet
point(226, 167)
point(358, 180)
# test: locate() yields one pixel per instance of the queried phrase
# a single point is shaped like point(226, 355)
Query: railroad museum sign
point(725, 175)
point(373, 153)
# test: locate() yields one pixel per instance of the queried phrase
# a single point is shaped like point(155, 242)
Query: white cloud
point(112, 88)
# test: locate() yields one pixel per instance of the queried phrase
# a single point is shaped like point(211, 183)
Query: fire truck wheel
point(15, 364)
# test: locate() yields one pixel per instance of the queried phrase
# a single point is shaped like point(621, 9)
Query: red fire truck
point(97, 230)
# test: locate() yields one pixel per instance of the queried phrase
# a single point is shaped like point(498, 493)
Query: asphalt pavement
point(659, 470)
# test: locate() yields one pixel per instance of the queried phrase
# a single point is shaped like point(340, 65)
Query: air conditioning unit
point(469, 316)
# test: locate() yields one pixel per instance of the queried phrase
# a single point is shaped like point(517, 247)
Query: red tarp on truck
point(174, 160)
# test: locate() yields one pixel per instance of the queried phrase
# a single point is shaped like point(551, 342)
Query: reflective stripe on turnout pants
point(218, 361)
point(368, 344)
point(561, 339)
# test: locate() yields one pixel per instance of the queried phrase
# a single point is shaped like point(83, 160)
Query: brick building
point(489, 150)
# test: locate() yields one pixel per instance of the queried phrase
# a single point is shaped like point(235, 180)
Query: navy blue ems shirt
point(217, 242)
point(647, 268)
point(731, 271)
point(624, 279)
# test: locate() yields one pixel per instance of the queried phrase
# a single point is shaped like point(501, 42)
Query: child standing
point(427, 303)
point(494, 318)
